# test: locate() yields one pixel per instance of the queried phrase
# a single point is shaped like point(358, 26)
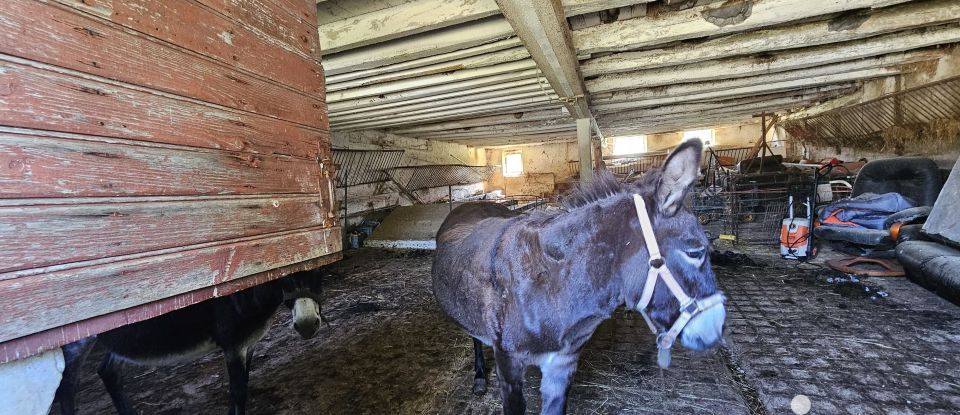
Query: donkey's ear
point(679, 172)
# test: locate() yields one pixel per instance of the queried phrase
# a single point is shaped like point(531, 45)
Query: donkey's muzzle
point(705, 329)
point(306, 317)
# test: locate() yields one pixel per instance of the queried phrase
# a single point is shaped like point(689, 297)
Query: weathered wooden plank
point(793, 59)
point(305, 10)
point(38, 236)
point(201, 30)
point(37, 166)
point(71, 40)
point(840, 29)
point(147, 287)
point(578, 7)
point(44, 99)
point(419, 46)
point(711, 19)
point(403, 20)
point(269, 19)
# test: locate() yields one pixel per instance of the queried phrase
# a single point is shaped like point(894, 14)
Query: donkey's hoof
point(479, 386)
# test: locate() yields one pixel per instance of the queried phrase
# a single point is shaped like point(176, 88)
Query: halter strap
point(689, 307)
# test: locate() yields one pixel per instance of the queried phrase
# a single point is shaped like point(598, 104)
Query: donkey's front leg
point(510, 371)
point(557, 370)
point(238, 369)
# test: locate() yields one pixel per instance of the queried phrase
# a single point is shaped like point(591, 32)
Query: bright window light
point(512, 165)
point(705, 136)
point(632, 144)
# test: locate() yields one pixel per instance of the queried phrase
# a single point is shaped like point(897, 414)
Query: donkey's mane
point(603, 186)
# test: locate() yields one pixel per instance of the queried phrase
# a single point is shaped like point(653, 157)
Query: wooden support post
point(586, 149)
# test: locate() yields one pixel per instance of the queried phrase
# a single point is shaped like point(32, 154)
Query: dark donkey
point(535, 287)
point(233, 323)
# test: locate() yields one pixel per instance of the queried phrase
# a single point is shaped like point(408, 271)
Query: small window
point(705, 136)
point(633, 144)
point(512, 164)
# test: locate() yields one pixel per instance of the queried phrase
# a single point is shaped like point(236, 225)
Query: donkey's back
point(462, 265)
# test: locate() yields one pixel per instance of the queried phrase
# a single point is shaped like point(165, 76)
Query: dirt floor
point(871, 346)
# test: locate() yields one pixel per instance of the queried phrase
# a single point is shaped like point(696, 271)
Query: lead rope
point(658, 269)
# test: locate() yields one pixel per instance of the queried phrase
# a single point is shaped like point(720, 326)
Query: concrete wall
point(924, 73)
point(544, 165)
point(371, 197)
point(741, 135)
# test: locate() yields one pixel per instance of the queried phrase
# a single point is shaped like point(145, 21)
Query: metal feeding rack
point(927, 111)
point(413, 178)
point(637, 164)
point(356, 167)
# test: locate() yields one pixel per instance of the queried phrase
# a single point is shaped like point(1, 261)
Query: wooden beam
point(496, 89)
point(506, 109)
point(459, 103)
point(841, 29)
point(430, 102)
point(418, 46)
point(542, 27)
point(441, 90)
point(806, 93)
point(578, 7)
point(709, 20)
point(474, 62)
point(501, 107)
point(732, 93)
point(585, 147)
point(745, 67)
point(507, 132)
point(403, 20)
point(519, 117)
point(427, 61)
point(422, 82)
point(681, 112)
point(873, 67)
point(565, 122)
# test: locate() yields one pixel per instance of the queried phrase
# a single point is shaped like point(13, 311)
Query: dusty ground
point(388, 350)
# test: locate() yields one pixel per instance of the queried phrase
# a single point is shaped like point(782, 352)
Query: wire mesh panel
point(356, 167)
point(438, 175)
point(750, 208)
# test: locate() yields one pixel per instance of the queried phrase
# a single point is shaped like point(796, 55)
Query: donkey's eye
point(697, 253)
point(695, 256)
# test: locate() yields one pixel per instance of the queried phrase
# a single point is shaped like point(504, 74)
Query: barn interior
point(426, 105)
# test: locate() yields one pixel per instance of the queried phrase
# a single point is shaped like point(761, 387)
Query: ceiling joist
point(542, 27)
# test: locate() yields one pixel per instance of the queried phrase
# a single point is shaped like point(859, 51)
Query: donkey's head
point(693, 307)
point(301, 293)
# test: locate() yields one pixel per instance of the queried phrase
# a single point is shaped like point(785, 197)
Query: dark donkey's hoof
point(479, 386)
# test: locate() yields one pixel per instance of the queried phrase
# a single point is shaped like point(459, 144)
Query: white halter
point(689, 307)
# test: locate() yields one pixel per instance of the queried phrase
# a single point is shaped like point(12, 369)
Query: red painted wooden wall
point(153, 154)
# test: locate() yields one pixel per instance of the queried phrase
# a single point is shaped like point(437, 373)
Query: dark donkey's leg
point(510, 370)
point(557, 372)
point(239, 371)
point(111, 372)
point(74, 354)
point(479, 366)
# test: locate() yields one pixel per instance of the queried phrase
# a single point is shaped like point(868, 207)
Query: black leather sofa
point(931, 254)
point(913, 177)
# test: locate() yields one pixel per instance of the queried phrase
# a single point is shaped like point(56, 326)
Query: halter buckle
point(691, 307)
point(657, 262)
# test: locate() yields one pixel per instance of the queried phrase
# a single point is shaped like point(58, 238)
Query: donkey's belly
point(168, 357)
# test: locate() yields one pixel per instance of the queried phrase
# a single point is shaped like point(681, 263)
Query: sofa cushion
point(933, 266)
